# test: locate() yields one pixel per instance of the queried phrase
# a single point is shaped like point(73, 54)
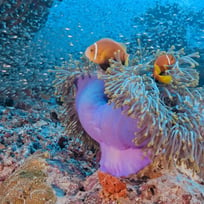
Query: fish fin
point(166, 79)
point(127, 60)
point(157, 69)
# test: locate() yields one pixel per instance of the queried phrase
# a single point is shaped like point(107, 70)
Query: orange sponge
point(112, 187)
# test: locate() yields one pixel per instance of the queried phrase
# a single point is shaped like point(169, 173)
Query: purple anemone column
point(107, 125)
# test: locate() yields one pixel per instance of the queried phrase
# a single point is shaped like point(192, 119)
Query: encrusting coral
point(168, 118)
point(28, 183)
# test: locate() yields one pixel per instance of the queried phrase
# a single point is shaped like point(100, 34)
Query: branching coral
point(168, 119)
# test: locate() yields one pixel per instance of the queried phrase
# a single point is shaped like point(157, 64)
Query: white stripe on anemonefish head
point(96, 50)
point(168, 59)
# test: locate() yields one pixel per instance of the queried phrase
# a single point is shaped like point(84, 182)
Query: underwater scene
point(101, 102)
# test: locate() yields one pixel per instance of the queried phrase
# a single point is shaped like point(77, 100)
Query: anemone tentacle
point(171, 116)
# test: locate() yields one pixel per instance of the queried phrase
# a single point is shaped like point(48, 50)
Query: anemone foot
point(122, 162)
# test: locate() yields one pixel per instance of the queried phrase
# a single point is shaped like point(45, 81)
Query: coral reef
point(25, 130)
point(30, 118)
point(71, 169)
point(28, 183)
point(165, 186)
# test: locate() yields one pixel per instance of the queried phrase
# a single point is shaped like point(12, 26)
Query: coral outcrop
point(28, 183)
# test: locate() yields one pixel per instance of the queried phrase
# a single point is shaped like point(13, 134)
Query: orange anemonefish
point(161, 64)
point(103, 50)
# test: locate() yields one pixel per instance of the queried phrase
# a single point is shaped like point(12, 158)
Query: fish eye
point(91, 49)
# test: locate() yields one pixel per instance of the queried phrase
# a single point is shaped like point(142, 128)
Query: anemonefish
point(161, 64)
point(101, 51)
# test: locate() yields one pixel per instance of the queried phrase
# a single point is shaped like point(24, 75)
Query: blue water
point(74, 25)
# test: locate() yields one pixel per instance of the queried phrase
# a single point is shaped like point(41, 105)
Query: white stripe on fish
point(96, 50)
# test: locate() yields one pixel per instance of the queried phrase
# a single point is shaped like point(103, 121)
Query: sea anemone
point(166, 119)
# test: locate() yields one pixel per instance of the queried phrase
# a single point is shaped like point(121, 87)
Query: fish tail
point(166, 79)
point(156, 71)
point(127, 60)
